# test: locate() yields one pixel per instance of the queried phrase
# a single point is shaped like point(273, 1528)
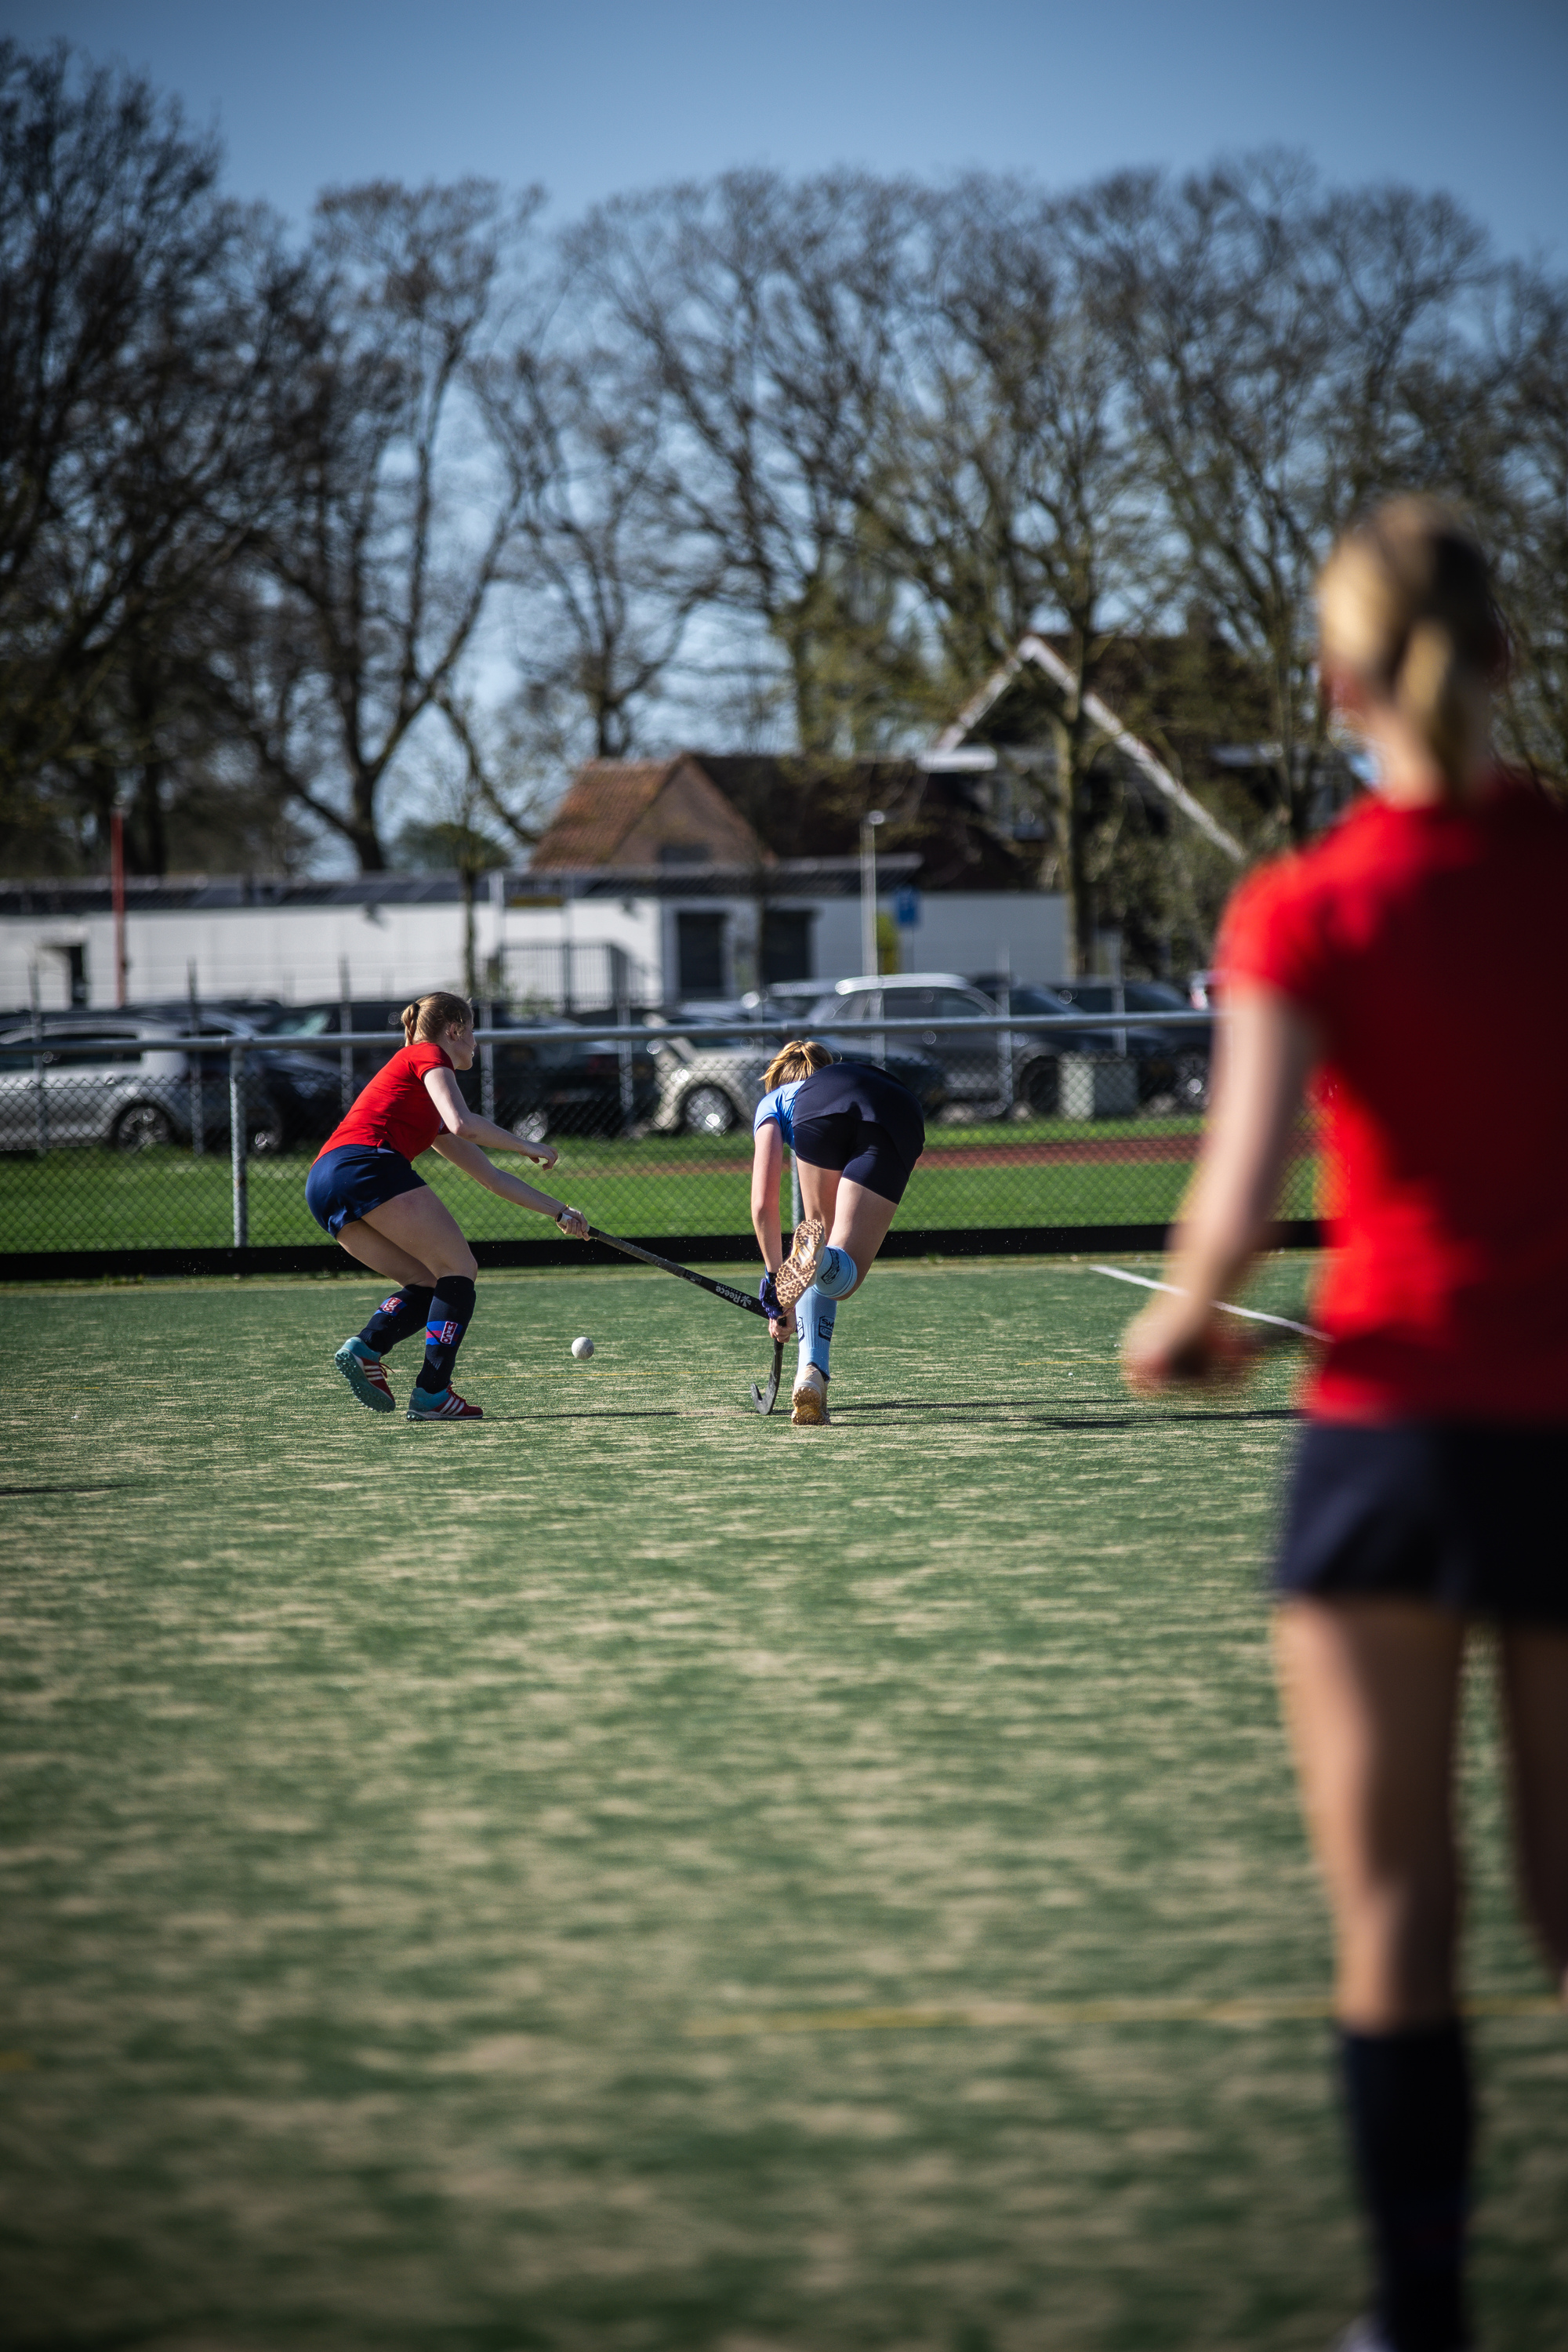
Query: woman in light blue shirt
point(855, 1134)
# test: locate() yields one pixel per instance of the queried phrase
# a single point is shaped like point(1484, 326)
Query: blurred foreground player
point(1428, 1493)
point(855, 1134)
point(363, 1189)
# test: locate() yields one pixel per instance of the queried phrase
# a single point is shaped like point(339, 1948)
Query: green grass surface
point(660, 1184)
point(635, 1877)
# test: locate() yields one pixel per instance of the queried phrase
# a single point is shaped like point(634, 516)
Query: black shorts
point(854, 1118)
point(343, 1184)
point(1467, 1516)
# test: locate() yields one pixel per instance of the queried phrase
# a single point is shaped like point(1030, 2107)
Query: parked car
point(567, 1087)
point(1173, 1062)
point(984, 1070)
point(319, 1024)
point(106, 1078)
point(293, 1097)
point(710, 1085)
point(600, 1085)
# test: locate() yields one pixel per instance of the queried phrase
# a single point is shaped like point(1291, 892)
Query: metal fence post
point(345, 1022)
point(40, 1085)
point(487, 1064)
point(629, 1103)
point(238, 1141)
point(1005, 1070)
point(198, 1072)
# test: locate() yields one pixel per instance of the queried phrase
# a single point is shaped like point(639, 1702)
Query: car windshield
point(306, 1021)
point(1031, 998)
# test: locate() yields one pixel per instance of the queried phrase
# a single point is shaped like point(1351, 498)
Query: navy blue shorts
point(854, 1118)
point(343, 1184)
point(1467, 1516)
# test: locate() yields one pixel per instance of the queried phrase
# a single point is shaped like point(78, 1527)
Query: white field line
point(1252, 1314)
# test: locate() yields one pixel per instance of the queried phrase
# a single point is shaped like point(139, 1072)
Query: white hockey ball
point(582, 1349)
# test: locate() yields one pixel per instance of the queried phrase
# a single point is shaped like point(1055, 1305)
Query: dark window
point(699, 945)
point(75, 961)
point(685, 853)
point(787, 945)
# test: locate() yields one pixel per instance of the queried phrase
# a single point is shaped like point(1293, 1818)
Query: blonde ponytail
point(801, 1058)
point(1405, 602)
point(429, 1017)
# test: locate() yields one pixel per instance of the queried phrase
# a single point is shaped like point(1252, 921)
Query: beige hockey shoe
point(798, 1271)
point(808, 1405)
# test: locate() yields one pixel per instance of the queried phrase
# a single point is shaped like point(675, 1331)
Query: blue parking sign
point(906, 908)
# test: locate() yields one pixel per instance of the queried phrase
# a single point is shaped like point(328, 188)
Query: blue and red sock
point(451, 1312)
point(397, 1317)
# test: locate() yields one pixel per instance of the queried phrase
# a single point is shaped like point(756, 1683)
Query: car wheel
point(142, 1128)
point(1042, 1086)
point(708, 1110)
point(533, 1125)
point(267, 1139)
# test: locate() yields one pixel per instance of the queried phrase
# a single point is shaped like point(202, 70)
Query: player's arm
point(1264, 1052)
point(473, 1128)
point(767, 1167)
point(467, 1155)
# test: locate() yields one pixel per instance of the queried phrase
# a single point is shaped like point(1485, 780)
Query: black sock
point(451, 1312)
point(1411, 2123)
point(398, 1318)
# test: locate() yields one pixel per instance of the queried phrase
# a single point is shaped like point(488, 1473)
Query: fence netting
point(122, 1136)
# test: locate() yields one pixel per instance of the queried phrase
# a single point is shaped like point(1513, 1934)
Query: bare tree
point(606, 578)
point(142, 331)
point(1012, 489)
point(1291, 355)
point(372, 587)
point(1527, 517)
point(767, 316)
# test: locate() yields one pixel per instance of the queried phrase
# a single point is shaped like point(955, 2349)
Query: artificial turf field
point(632, 1876)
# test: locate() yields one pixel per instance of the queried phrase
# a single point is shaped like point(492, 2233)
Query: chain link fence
point(124, 1137)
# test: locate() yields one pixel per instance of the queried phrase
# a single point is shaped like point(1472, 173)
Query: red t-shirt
point(395, 1112)
point(1428, 948)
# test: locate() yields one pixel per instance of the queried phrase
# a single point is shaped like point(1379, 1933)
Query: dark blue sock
point(397, 1317)
point(451, 1312)
point(1411, 2127)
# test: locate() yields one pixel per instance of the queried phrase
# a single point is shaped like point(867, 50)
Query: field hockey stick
point(667, 1266)
point(763, 1398)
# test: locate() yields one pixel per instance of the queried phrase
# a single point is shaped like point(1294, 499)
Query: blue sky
point(594, 96)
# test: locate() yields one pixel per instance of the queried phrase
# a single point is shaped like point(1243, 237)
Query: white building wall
point(294, 953)
point(298, 952)
point(1022, 932)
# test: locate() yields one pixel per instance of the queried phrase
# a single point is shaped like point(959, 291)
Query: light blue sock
point(815, 1317)
point(836, 1274)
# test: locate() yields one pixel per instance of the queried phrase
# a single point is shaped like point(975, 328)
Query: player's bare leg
point(419, 1229)
point(856, 1222)
point(1370, 1689)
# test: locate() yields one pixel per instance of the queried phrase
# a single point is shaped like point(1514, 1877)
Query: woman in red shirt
point(363, 1190)
point(1429, 1488)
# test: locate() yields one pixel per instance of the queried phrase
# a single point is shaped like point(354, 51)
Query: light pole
point(868, 824)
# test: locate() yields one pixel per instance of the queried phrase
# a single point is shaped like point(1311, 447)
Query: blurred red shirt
point(1430, 949)
point(395, 1112)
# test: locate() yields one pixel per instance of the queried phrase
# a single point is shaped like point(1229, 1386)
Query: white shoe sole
point(809, 1407)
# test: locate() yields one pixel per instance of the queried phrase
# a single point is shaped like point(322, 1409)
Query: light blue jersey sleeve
point(777, 1107)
